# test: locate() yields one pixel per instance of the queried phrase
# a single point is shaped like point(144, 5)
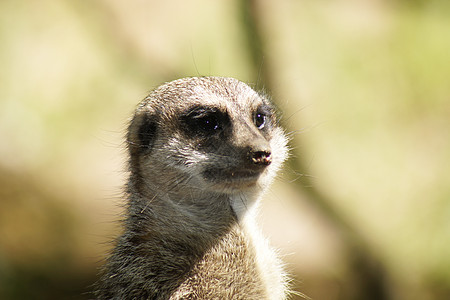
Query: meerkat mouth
point(232, 177)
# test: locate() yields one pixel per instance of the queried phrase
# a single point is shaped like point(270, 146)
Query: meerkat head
point(207, 134)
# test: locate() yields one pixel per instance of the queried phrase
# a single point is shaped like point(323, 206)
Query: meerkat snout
point(261, 158)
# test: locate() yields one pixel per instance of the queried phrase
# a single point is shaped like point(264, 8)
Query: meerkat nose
point(261, 158)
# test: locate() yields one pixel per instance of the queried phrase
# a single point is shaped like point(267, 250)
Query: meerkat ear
point(147, 132)
point(142, 132)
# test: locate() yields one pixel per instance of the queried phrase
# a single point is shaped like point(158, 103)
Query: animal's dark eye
point(207, 123)
point(262, 116)
point(204, 121)
point(260, 120)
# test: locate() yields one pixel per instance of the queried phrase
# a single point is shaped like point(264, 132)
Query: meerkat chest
point(232, 269)
point(228, 270)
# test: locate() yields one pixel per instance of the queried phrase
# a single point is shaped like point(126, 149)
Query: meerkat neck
point(203, 216)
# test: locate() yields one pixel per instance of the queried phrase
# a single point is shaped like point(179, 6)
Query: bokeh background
point(362, 208)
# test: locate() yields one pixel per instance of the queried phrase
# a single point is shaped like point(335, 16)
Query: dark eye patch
point(205, 121)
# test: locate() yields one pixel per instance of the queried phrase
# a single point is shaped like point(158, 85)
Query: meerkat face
point(206, 134)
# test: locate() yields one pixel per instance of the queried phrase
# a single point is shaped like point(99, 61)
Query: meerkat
point(202, 151)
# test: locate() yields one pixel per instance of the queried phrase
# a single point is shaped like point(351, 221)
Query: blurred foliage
point(38, 245)
point(362, 86)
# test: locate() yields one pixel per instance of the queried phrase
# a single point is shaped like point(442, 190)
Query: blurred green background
point(361, 210)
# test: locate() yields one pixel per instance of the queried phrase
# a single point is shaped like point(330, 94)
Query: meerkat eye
point(262, 116)
point(260, 120)
point(205, 121)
